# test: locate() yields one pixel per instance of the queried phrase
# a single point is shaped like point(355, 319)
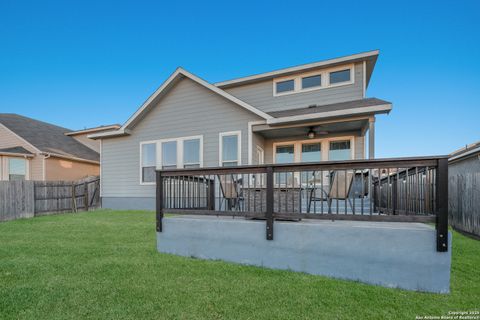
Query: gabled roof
point(370, 57)
point(180, 73)
point(47, 138)
point(17, 151)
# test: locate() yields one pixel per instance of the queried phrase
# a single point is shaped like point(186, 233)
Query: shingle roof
point(17, 150)
point(368, 102)
point(47, 137)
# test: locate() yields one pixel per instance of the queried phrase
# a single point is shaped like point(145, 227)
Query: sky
point(81, 64)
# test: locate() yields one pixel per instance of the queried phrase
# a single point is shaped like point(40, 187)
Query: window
point(230, 149)
point(311, 152)
point(17, 169)
point(339, 150)
point(315, 80)
point(312, 82)
point(340, 76)
point(169, 154)
point(148, 162)
point(191, 153)
point(285, 154)
point(285, 86)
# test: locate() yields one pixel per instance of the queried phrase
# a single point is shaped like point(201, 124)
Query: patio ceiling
point(354, 127)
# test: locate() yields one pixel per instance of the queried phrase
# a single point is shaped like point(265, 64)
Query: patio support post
point(371, 138)
point(159, 208)
point(442, 205)
point(269, 199)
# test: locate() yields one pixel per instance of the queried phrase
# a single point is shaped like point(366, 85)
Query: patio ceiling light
point(311, 133)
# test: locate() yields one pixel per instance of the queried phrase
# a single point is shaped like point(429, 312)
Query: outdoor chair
point(232, 194)
point(339, 186)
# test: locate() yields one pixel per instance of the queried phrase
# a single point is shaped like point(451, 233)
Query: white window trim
point(6, 167)
point(325, 74)
point(141, 161)
point(180, 152)
point(158, 155)
point(325, 147)
point(343, 83)
point(220, 146)
point(261, 159)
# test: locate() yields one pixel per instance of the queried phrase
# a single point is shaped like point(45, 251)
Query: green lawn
point(104, 265)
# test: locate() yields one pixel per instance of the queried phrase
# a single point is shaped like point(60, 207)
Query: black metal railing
point(402, 189)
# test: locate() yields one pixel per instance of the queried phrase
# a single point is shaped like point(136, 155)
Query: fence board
point(25, 199)
point(464, 202)
point(16, 200)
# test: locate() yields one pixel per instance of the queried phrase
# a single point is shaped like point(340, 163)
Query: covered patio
point(336, 132)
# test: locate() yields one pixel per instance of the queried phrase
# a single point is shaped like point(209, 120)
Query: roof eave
point(304, 67)
point(57, 155)
point(378, 109)
point(91, 130)
point(15, 154)
point(109, 134)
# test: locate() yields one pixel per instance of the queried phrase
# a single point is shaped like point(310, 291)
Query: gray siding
point(260, 95)
point(187, 110)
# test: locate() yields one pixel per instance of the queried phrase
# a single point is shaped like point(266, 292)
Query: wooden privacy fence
point(464, 202)
point(25, 199)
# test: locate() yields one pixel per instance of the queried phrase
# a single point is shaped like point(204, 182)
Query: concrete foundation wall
point(397, 255)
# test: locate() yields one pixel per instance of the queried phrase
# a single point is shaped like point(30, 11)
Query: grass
point(104, 265)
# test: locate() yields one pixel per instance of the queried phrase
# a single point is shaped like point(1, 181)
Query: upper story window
point(321, 79)
point(285, 86)
point(17, 169)
point(312, 82)
point(148, 154)
point(230, 148)
point(340, 76)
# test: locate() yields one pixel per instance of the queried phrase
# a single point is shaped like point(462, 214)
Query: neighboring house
point(313, 112)
point(35, 150)
point(465, 160)
point(464, 188)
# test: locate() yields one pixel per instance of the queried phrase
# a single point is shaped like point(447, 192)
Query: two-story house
point(312, 112)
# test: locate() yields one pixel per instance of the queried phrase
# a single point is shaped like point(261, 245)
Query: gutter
point(56, 155)
point(464, 155)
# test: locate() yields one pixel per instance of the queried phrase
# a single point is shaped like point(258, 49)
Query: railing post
point(211, 194)
point(442, 205)
point(269, 199)
point(159, 201)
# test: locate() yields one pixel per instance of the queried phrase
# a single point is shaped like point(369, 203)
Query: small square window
point(285, 86)
point(312, 82)
point(340, 76)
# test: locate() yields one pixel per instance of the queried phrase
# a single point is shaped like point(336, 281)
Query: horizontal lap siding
point(261, 96)
point(187, 110)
